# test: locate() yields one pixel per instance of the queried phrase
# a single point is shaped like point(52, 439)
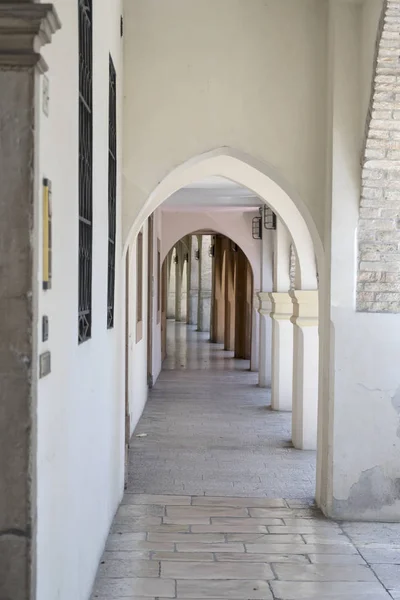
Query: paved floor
point(209, 431)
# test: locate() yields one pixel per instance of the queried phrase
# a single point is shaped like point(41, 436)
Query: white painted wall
point(234, 224)
point(359, 406)
point(80, 404)
point(137, 349)
point(156, 326)
point(202, 75)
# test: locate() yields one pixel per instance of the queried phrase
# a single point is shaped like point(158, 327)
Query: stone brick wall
point(378, 285)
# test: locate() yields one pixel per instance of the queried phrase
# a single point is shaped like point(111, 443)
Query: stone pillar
point(243, 310)
point(171, 274)
point(193, 296)
point(184, 286)
point(265, 370)
point(205, 285)
point(218, 304)
point(305, 369)
point(178, 282)
point(24, 28)
point(282, 328)
point(282, 354)
point(255, 337)
point(230, 304)
point(264, 303)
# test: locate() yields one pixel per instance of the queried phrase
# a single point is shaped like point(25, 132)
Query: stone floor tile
point(123, 543)
point(238, 528)
point(161, 499)
point(234, 590)
point(128, 555)
point(147, 510)
point(336, 559)
point(297, 590)
point(114, 588)
point(264, 538)
point(323, 572)
point(125, 567)
point(299, 549)
point(263, 558)
point(191, 521)
point(222, 547)
point(248, 521)
point(175, 512)
point(314, 521)
point(223, 570)
point(184, 556)
point(309, 529)
point(238, 502)
point(188, 538)
point(329, 538)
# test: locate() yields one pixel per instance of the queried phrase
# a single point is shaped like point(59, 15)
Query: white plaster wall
point(234, 224)
point(202, 75)
point(360, 444)
point(80, 404)
point(156, 326)
point(138, 389)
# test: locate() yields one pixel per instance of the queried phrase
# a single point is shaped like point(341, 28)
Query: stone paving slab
point(204, 565)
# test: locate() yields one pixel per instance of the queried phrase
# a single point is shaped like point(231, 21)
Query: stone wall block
point(379, 224)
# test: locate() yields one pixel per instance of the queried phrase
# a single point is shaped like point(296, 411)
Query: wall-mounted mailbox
point(44, 364)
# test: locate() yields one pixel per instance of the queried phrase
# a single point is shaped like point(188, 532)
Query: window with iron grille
point(85, 169)
point(112, 191)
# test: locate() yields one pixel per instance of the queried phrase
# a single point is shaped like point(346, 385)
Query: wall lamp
point(269, 217)
point(256, 229)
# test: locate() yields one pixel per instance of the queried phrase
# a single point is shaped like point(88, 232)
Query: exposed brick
point(378, 283)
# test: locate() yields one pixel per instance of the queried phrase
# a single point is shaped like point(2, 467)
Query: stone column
point(24, 27)
point(282, 354)
point(171, 273)
point(243, 310)
point(282, 328)
point(255, 336)
point(204, 313)
point(178, 282)
point(264, 304)
point(265, 370)
point(218, 305)
point(184, 287)
point(305, 369)
point(193, 297)
point(229, 338)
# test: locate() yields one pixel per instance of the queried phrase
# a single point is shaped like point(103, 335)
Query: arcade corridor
point(210, 430)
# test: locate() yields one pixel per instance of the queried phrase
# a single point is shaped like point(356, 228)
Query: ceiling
point(213, 194)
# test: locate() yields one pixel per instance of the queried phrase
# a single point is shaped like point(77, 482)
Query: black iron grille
point(85, 169)
point(112, 191)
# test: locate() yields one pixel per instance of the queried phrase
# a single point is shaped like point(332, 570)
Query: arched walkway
point(258, 177)
point(209, 429)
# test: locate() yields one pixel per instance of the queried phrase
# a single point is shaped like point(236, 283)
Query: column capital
point(282, 307)
point(24, 28)
point(305, 308)
point(265, 304)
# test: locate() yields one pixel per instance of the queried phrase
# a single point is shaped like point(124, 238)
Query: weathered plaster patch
point(371, 492)
point(396, 406)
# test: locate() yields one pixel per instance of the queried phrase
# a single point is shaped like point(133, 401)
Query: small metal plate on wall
point(44, 364)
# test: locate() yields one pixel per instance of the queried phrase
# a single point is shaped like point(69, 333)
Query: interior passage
point(208, 429)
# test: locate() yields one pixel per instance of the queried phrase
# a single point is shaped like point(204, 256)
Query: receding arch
point(207, 222)
point(261, 179)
